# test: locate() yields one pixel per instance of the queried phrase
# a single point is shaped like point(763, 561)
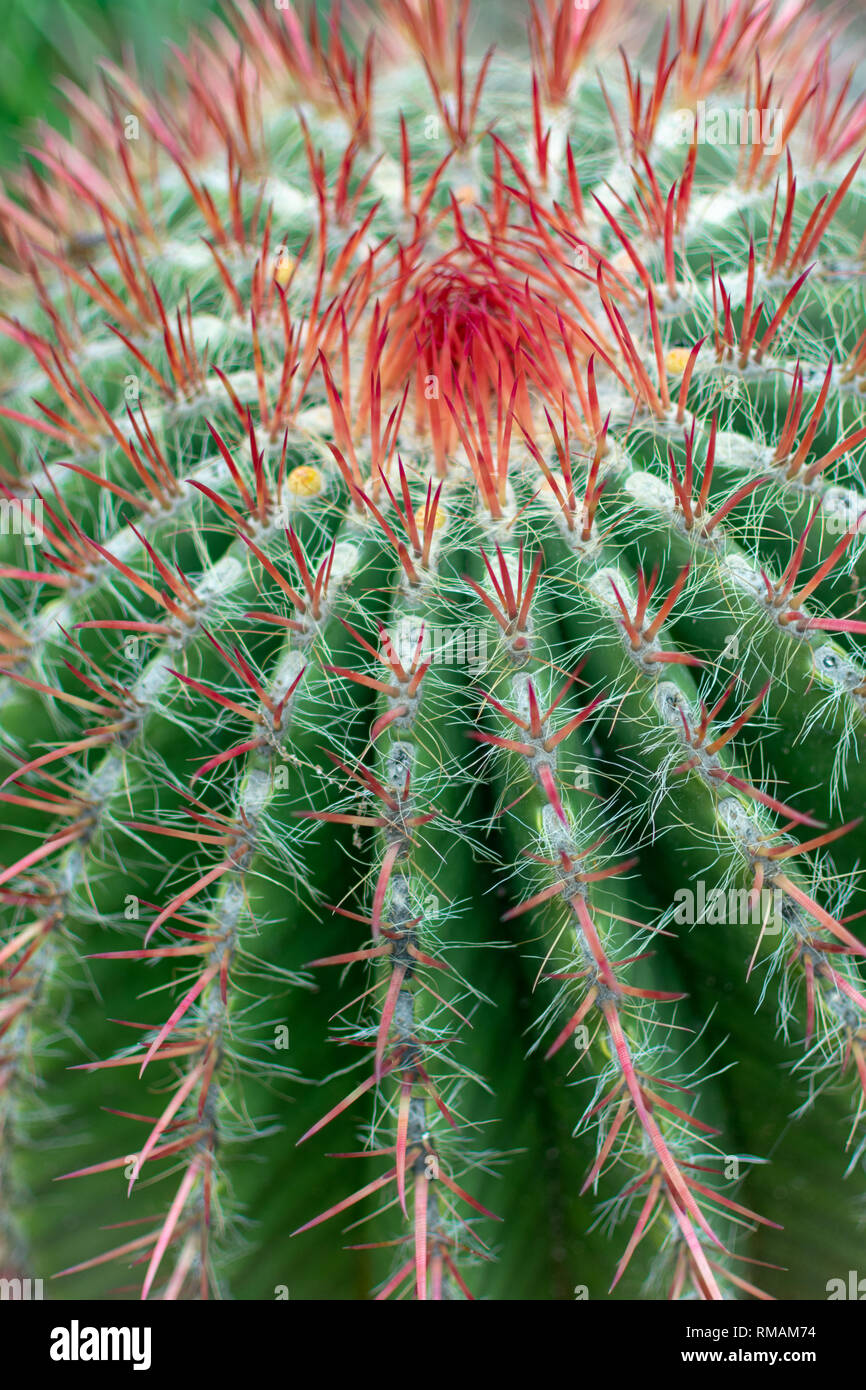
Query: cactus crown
point(433, 679)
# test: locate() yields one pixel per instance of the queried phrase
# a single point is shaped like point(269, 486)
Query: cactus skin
point(450, 489)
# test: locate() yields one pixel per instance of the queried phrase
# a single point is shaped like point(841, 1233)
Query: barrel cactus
point(434, 684)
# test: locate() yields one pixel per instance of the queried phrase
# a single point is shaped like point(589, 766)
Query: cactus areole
point(433, 648)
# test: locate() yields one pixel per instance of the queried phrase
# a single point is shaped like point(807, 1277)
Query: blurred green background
point(44, 39)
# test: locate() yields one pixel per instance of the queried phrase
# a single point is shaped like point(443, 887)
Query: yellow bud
point(305, 481)
point(438, 521)
point(677, 361)
point(283, 269)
